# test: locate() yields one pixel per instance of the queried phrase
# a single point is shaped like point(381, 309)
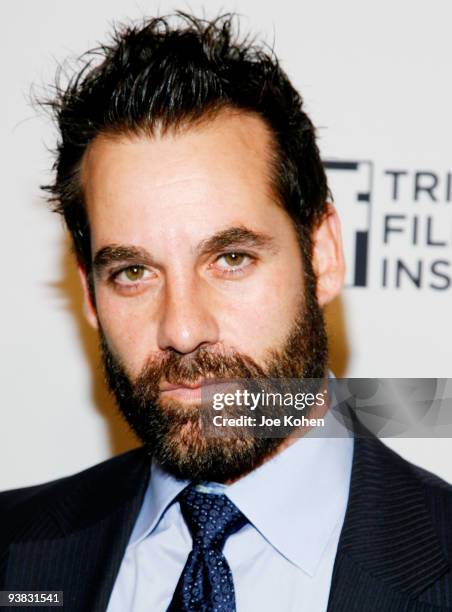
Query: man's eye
point(233, 259)
point(233, 262)
point(131, 275)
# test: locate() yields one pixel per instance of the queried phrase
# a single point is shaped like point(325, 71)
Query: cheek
point(262, 315)
point(129, 330)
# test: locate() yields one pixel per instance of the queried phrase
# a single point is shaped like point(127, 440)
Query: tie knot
point(211, 518)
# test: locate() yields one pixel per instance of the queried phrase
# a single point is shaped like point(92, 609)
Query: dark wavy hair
point(171, 71)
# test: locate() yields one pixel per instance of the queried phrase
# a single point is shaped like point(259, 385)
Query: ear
point(89, 309)
point(328, 257)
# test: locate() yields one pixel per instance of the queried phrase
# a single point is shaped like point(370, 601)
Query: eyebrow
point(235, 236)
point(238, 236)
point(121, 254)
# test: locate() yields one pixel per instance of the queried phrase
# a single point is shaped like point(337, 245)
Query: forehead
point(206, 172)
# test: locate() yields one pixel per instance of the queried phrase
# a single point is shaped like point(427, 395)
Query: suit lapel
point(388, 551)
point(79, 552)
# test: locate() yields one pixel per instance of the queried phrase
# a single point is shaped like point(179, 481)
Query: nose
point(187, 321)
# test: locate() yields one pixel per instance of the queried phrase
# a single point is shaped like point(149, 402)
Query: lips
point(186, 385)
point(169, 387)
point(185, 391)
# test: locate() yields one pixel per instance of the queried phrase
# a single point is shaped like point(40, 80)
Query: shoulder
point(438, 496)
point(375, 452)
point(100, 485)
point(429, 481)
point(400, 478)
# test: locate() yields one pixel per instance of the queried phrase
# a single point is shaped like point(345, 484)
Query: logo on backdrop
point(396, 223)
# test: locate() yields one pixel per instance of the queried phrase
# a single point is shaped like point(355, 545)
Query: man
point(189, 178)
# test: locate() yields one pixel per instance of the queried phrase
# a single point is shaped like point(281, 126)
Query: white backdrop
point(375, 77)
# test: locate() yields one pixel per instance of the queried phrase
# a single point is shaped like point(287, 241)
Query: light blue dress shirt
point(281, 561)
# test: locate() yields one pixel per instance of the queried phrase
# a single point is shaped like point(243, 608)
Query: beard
point(175, 434)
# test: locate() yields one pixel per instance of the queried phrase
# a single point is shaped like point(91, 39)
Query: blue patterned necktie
point(206, 584)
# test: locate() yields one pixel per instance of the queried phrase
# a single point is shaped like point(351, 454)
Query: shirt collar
point(295, 500)
point(162, 489)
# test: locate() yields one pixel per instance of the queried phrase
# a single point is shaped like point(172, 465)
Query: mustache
point(175, 368)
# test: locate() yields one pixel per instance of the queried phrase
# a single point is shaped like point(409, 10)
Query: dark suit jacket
point(393, 553)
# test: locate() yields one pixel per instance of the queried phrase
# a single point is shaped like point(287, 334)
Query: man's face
point(194, 264)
